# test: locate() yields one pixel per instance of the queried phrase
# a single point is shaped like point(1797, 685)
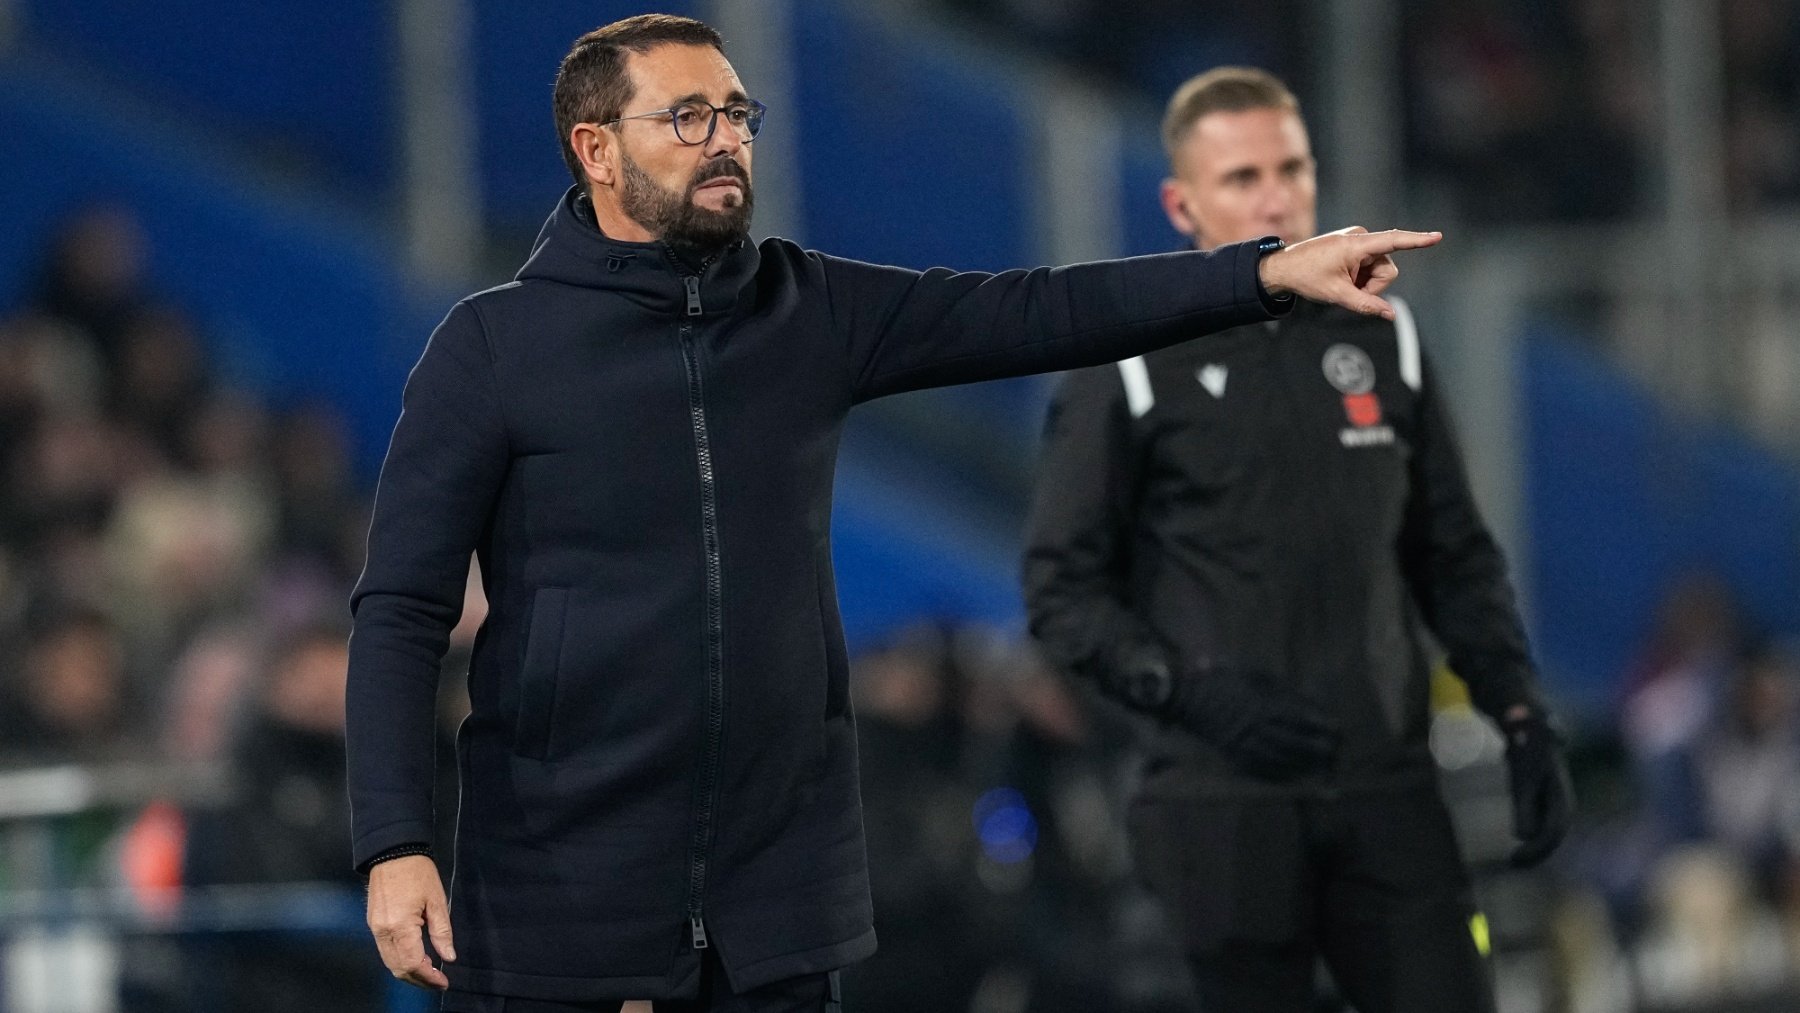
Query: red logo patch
point(1363, 409)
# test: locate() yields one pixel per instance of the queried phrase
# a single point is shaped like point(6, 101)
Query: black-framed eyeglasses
point(746, 118)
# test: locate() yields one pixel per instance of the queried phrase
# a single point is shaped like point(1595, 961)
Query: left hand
point(1350, 267)
point(1543, 798)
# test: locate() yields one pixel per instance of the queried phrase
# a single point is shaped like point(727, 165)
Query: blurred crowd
point(993, 798)
point(993, 791)
point(163, 535)
point(1544, 110)
point(1684, 885)
point(175, 558)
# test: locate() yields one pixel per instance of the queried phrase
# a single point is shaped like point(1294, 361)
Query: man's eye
point(738, 114)
point(687, 114)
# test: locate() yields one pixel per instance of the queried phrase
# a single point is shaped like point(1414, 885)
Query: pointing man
point(637, 439)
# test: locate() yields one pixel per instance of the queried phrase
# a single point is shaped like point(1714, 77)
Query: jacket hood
point(571, 250)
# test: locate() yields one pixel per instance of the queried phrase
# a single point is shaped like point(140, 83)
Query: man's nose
point(724, 140)
point(1277, 200)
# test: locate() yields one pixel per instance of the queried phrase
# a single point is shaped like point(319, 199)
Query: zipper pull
point(693, 293)
point(699, 928)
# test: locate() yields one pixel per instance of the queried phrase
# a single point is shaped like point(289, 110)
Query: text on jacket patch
point(1371, 436)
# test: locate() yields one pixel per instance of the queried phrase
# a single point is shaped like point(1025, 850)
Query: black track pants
point(1371, 882)
point(812, 993)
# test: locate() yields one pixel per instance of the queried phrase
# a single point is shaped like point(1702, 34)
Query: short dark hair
point(1222, 90)
point(592, 85)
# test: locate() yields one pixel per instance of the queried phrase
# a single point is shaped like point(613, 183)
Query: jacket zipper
point(715, 622)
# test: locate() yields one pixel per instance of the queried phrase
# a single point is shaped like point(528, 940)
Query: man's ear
point(597, 150)
point(1175, 206)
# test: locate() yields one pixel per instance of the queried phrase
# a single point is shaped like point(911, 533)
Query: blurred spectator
point(64, 478)
point(187, 547)
point(1749, 767)
point(159, 381)
point(288, 824)
point(1528, 112)
point(1761, 42)
point(289, 820)
point(205, 698)
point(314, 488)
point(1708, 940)
point(72, 701)
point(1672, 697)
point(94, 275)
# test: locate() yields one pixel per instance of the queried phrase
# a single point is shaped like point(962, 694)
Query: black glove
point(1543, 797)
point(1262, 728)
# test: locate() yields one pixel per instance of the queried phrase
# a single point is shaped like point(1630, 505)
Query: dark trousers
point(1262, 889)
point(811, 993)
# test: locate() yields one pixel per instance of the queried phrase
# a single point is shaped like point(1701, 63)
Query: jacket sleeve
point(1457, 572)
point(1078, 537)
point(905, 330)
point(443, 469)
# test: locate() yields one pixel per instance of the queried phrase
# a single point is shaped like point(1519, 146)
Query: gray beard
point(688, 228)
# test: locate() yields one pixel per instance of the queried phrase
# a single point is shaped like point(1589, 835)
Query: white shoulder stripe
point(1407, 333)
point(1138, 395)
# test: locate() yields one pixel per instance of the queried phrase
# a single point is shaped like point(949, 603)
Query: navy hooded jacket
point(661, 755)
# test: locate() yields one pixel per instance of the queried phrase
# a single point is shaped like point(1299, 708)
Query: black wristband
point(397, 851)
point(1271, 302)
point(1139, 676)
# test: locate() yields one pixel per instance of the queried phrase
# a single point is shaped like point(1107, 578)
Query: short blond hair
point(1222, 90)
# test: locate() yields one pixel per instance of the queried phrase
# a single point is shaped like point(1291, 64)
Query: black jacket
point(1285, 499)
point(660, 753)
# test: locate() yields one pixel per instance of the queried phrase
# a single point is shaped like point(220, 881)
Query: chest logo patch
point(1212, 377)
point(1349, 369)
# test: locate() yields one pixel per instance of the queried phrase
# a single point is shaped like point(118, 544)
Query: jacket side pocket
point(831, 628)
point(537, 677)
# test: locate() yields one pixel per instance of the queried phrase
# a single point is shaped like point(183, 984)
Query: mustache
point(722, 166)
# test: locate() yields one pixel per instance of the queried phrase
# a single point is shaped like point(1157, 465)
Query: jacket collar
point(571, 249)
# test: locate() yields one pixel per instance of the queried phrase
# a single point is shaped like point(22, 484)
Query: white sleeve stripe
point(1407, 333)
point(1138, 395)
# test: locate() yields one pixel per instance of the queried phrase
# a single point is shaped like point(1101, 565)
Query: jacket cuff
point(397, 851)
point(374, 844)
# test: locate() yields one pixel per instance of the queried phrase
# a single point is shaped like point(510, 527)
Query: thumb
point(437, 925)
point(1349, 296)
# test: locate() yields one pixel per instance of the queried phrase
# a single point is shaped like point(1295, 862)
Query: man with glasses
point(1243, 537)
point(637, 439)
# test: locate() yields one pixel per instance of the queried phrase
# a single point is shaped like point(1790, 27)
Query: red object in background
point(150, 858)
point(1363, 409)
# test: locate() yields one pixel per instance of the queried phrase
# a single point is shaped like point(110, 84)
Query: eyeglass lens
point(696, 121)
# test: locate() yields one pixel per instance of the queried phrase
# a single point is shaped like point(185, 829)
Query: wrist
point(397, 851)
point(1141, 677)
point(1269, 251)
point(1525, 725)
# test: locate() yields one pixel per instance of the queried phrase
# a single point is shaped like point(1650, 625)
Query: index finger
point(1376, 243)
point(404, 955)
